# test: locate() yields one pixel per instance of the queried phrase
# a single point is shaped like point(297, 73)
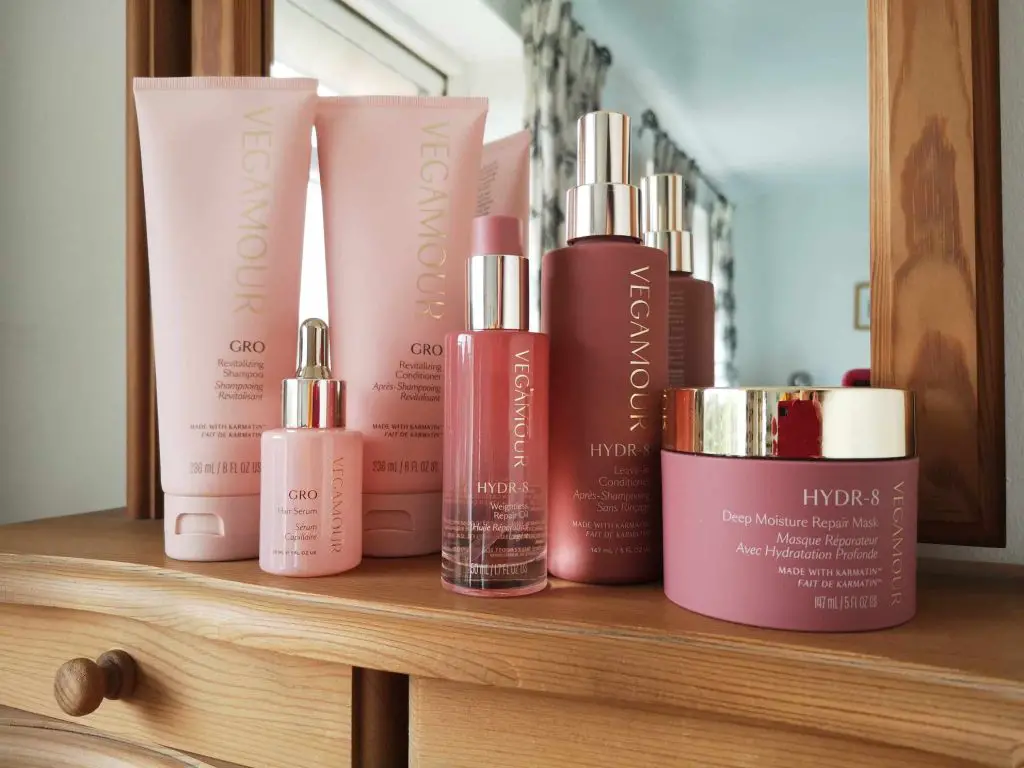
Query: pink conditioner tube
point(791, 508)
point(399, 176)
point(504, 187)
point(225, 164)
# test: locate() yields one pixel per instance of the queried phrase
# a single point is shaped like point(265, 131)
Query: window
point(348, 54)
point(350, 57)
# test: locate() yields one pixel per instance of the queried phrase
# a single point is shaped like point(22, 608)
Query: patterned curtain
point(565, 73)
point(722, 270)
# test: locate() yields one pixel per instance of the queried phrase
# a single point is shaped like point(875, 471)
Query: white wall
point(800, 246)
point(62, 317)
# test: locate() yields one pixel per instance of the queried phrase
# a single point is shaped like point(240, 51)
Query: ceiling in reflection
point(757, 90)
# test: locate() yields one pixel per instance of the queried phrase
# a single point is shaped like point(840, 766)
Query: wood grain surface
point(157, 44)
point(380, 717)
point(235, 704)
point(528, 730)
point(936, 242)
point(949, 683)
point(228, 37)
point(31, 741)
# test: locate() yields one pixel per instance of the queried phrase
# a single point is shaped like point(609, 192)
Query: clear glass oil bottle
point(494, 520)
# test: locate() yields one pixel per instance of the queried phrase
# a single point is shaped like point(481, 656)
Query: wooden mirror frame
point(936, 234)
point(937, 251)
point(171, 38)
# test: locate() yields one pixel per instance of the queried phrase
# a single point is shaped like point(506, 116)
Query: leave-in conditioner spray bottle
point(605, 307)
point(691, 302)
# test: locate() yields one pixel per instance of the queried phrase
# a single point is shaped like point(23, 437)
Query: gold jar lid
point(786, 423)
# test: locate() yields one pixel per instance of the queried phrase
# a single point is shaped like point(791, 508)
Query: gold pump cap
point(499, 292)
point(603, 202)
point(313, 400)
point(662, 206)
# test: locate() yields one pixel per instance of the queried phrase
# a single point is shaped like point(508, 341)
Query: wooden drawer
point(255, 708)
point(463, 726)
point(32, 741)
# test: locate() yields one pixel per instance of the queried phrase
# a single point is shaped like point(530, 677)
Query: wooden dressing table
point(382, 667)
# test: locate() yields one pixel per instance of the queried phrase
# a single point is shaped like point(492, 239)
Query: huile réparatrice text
point(640, 397)
point(434, 204)
point(251, 247)
point(520, 406)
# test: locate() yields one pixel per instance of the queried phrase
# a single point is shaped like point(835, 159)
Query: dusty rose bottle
point(312, 475)
point(605, 307)
point(691, 302)
point(494, 518)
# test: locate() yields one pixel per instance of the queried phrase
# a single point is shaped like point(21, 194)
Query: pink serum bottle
point(691, 302)
point(312, 474)
point(494, 513)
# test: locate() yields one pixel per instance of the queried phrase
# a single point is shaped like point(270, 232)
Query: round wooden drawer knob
point(81, 685)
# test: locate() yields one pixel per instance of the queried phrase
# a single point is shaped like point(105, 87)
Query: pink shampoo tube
point(504, 184)
point(225, 165)
point(398, 176)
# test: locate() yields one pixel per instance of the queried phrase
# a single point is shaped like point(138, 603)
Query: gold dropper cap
point(313, 399)
point(499, 292)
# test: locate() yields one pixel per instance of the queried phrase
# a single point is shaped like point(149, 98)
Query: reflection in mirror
point(769, 99)
point(350, 56)
point(761, 105)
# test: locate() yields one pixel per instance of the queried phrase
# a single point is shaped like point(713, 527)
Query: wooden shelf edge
point(52, 577)
point(842, 693)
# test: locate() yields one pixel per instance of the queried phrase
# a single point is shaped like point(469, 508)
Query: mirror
point(350, 56)
point(768, 101)
point(771, 102)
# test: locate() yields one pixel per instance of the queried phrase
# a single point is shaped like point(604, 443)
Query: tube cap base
point(401, 524)
point(212, 528)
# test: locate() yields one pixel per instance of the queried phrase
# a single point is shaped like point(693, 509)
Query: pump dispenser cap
point(313, 400)
point(662, 204)
point(498, 276)
point(603, 203)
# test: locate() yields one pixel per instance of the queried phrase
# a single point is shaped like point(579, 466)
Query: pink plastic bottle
point(494, 518)
point(604, 304)
point(312, 475)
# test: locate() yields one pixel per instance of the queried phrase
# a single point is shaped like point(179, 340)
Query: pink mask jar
point(791, 508)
